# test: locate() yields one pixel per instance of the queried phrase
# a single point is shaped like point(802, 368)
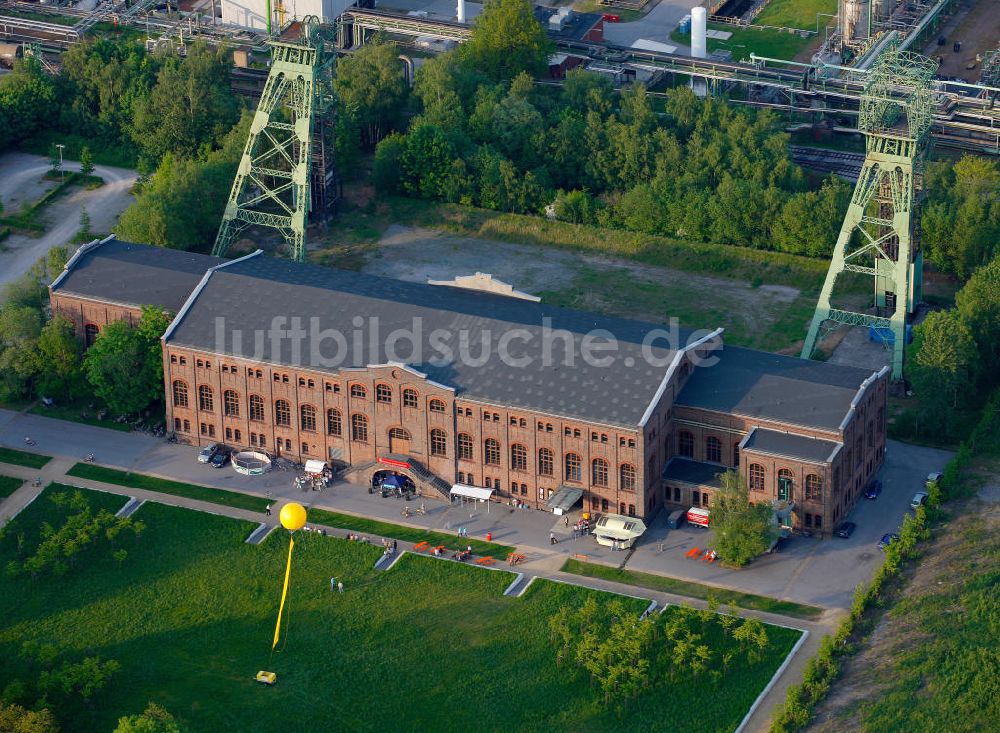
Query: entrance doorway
point(399, 441)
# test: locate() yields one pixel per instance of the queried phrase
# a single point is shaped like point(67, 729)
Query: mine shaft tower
point(287, 169)
point(879, 236)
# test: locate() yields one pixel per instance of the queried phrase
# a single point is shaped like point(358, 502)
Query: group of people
point(351, 537)
point(463, 555)
point(389, 546)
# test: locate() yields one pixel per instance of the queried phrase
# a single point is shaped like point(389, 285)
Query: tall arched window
point(785, 484)
point(756, 477)
point(231, 403)
point(491, 452)
point(282, 413)
point(409, 398)
point(518, 457)
point(437, 406)
point(90, 332)
point(256, 408)
point(359, 428)
point(599, 472)
point(464, 447)
point(713, 449)
point(307, 418)
point(180, 394)
point(626, 475)
point(685, 444)
point(439, 443)
point(383, 394)
point(334, 424)
point(574, 472)
point(546, 462)
point(814, 488)
point(205, 400)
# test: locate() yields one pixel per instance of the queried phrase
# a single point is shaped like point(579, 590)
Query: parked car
point(919, 499)
point(845, 530)
point(874, 489)
point(933, 478)
point(220, 459)
point(887, 539)
point(208, 453)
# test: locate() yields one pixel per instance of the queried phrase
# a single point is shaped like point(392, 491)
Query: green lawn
point(744, 41)
point(796, 13)
point(165, 486)
point(692, 590)
point(407, 534)
point(8, 485)
point(427, 646)
point(22, 458)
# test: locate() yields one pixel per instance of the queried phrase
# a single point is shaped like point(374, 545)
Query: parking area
point(805, 569)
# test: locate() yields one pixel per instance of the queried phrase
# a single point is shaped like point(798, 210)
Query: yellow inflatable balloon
point(293, 516)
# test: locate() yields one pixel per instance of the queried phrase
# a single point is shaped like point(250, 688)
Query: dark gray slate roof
point(789, 445)
point(757, 384)
point(690, 471)
point(136, 274)
point(248, 294)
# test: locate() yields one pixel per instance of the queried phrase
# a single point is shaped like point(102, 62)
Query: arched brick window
point(282, 413)
point(464, 447)
point(574, 472)
point(334, 423)
point(90, 332)
point(685, 444)
point(359, 428)
point(713, 449)
point(756, 477)
point(439, 443)
point(409, 398)
point(785, 484)
point(231, 403)
point(307, 418)
point(180, 391)
point(437, 406)
point(491, 452)
point(383, 394)
point(358, 391)
point(518, 457)
point(546, 461)
point(205, 399)
point(599, 472)
point(626, 477)
point(814, 488)
point(256, 408)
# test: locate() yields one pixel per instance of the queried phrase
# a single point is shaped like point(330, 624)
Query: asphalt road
point(20, 174)
point(656, 25)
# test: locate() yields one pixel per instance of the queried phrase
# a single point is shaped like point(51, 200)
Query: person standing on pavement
point(552, 538)
point(267, 510)
point(566, 520)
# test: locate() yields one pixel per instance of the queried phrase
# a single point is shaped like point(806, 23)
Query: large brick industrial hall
point(473, 383)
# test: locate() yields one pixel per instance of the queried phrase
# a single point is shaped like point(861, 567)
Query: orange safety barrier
point(485, 561)
point(421, 546)
point(709, 556)
point(581, 556)
point(693, 552)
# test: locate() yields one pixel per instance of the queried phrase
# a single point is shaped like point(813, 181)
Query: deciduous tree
point(742, 530)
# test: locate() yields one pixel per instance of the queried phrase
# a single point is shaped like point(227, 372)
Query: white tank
point(461, 11)
point(854, 20)
point(699, 27)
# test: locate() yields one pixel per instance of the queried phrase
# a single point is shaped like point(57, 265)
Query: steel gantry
point(286, 167)
point(878, 237)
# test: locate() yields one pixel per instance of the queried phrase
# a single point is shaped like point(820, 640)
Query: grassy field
point(407, 534)
point(22, 458)
point(774, 44)
point(165, 486)
point(427, 646)
point(8, 485)
point(796, 13)
point(692, 590)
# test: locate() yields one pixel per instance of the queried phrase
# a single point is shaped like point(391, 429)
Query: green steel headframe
point(273, 184)
point(878, 236)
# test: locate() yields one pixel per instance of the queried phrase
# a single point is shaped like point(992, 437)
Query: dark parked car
point(220, 459)
point(887, 539)
point(874, 489)
point(845, 530)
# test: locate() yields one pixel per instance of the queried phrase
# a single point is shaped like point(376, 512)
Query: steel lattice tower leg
point(879, 235)
point(272, 184)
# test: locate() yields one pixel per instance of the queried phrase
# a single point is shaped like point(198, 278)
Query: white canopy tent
point(472, 492)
